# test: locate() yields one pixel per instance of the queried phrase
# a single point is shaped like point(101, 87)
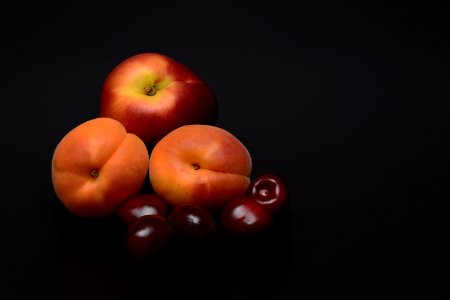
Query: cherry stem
point(150, 90)
point(264, 192)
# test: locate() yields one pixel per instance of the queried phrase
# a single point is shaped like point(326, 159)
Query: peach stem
point(94, 173)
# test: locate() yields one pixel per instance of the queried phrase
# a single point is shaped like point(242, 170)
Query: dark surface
point(347, 103)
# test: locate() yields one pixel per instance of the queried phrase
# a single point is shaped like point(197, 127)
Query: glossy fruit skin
point(269, 191)
point(141, 205)
point(243, 216)
point(151, 94)
point(192, 222)
point(148, 236)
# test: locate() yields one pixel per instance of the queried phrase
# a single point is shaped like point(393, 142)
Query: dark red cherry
point(141, 205)
point(148, 236)
point(244, 216)
point(268, 190)
point(192, 222)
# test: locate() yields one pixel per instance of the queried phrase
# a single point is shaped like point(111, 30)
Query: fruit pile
point(157, 119)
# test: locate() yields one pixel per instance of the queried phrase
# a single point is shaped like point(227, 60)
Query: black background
point(347, 103)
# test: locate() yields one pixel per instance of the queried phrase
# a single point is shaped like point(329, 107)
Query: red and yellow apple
point(152, 94)
point(98, 165)
point(200, 165)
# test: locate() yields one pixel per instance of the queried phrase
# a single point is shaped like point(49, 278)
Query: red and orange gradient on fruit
point(97, 165)
point(201, 165)
point(152, 94)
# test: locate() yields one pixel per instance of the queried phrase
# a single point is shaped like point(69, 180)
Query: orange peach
point(97, 165)
point(200, 164)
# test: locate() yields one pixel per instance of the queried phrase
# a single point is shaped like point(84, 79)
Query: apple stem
point(94, 173)
point(150, 90)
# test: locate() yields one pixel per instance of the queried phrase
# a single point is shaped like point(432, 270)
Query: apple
point(201, 165)
point(152, 94)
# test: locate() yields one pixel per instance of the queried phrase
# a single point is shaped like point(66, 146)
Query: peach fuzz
point(200, 164)
point(97, 165)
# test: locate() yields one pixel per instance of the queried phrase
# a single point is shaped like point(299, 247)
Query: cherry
point(141, 205)
point(244, 216)
point(192, 222)
point(269, 191)
point(148, 236)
